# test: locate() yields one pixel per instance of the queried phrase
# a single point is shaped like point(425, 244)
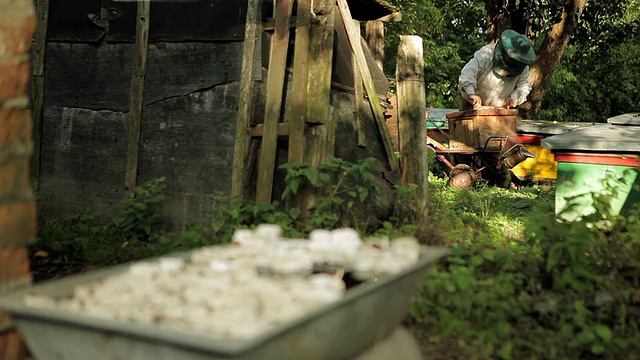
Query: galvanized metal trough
point(341, 330)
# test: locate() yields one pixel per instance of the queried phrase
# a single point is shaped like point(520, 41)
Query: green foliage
point(451, 31)
point(348, 188)
point(349, 195)
point(241, 214)
point(519, 284)
point(596, 79)
point(76, 242)
point(555, 290)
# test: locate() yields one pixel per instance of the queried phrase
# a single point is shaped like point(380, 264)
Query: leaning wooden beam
point(273, 104)
point(396, 16)
point(358, 90)
point(361, 62)
point(137, 93)
point(252, 32)
point(299, 87)
point(37, 89)
point(412, 111)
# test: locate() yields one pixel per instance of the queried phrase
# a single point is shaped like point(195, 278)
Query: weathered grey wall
point(187, 131)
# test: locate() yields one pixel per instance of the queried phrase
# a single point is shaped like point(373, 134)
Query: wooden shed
point(129, 91)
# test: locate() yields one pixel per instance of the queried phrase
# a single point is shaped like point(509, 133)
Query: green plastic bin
point(598, 160)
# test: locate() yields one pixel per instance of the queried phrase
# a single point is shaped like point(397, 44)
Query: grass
point(518, 284)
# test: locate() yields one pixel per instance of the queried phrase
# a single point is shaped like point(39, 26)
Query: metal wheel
point(462, 176)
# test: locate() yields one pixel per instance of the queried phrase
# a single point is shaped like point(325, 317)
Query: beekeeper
point(498, 74)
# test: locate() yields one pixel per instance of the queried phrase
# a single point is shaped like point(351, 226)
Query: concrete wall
point(17, 205)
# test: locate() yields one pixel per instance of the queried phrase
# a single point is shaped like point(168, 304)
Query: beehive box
point(530, 134)
point(476, 128)
point(593, 161)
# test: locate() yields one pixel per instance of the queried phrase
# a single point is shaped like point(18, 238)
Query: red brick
point(11, 346)
point(14, 178)
point(14, 79)
point(14, 263)
point(17, 25)
point(17, 222)
point(16, 127)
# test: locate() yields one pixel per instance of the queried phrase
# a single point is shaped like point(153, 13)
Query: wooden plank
point(374, 34)
point(412, 111)
point(361, 62)
point(137, 93)
point(299, 87)
point(273, 104)
point(358, 94)
point(37, 89)
point(251, 39)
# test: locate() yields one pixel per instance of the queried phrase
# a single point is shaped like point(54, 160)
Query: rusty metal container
point(478, 128)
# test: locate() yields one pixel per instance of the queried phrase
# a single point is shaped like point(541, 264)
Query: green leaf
point(312, 175)
point(363, 194)
point(294, 213)
point(505, 351)
point(604, 332)
point(477, 260)
point(597, 349)
point(585, 337)
point(488, 254)
point(294, 185)
point(450, 287)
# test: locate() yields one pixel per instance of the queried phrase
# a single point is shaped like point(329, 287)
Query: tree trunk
point(550, 52)
point(498, 19)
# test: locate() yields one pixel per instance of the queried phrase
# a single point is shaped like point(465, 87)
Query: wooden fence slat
point(273, 104)
point(354, 39)
point(252, 32)
point(37, 89)
point(137, 93)
point(411, 115)
point(299, 86)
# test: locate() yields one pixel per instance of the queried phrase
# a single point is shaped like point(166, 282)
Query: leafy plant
point(347, 190)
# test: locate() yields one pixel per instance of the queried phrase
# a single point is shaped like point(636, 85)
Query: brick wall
point(17, 205)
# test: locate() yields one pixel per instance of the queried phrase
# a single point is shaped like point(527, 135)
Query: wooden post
point(361, 62)
point(320, 134)
point(251, 38)
point(374, 34)
point(412, 114)
point(299, 86)
point(37, 89)
point(273, 104)
point(137, 93)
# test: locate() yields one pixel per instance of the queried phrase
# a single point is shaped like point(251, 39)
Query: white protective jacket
point(477, 77)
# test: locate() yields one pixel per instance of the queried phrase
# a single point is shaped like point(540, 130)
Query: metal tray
point(364, 316)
